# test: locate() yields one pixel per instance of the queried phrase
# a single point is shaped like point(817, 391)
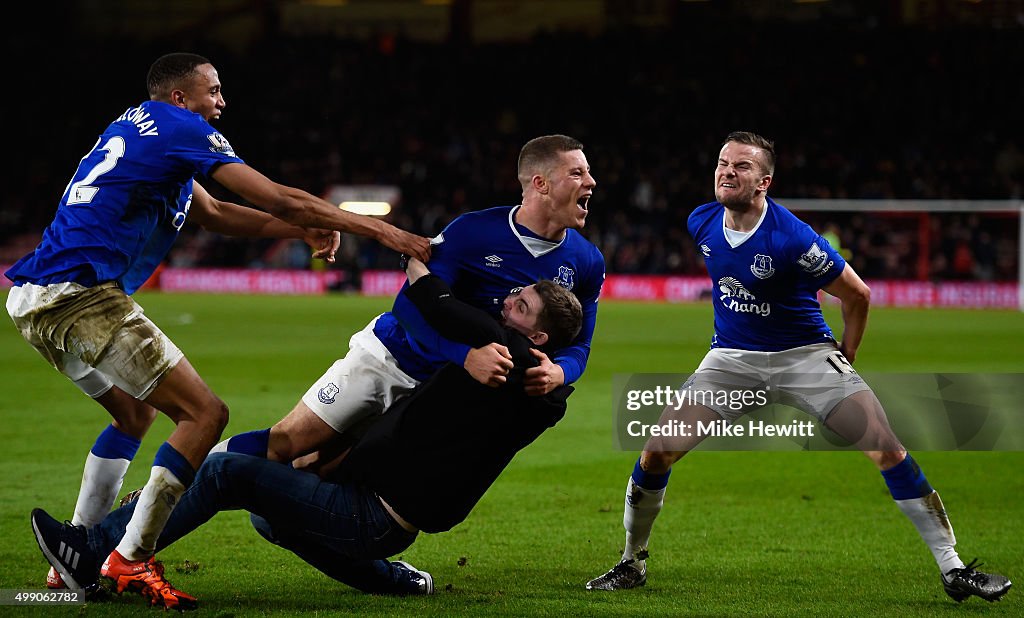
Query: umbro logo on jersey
point(706, 250)
point(68, 555)
point(493, 261)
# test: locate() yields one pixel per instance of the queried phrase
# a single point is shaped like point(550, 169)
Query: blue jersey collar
point(735, 238)
point(534, 244)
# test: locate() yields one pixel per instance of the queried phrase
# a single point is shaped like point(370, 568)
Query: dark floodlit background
point(908, 99)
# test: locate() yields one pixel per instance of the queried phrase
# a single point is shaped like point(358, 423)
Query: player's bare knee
point(218, 415)
point(294, 445)
point(280, 446)
point(210, 416)
point(299, 433)
point(657, 462)
point(887, 459)
point(883, 447)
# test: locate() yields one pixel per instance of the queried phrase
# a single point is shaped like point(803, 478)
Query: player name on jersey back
point(141, 119)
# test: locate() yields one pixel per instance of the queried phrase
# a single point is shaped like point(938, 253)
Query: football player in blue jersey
point(482, 255)
point(115, 223)
point(766, 267)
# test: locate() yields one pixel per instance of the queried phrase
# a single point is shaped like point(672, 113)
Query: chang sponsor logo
point(739, 299)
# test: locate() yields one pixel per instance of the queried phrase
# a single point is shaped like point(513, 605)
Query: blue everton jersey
point(765, 289)
point(124, 206)
point(484, 255)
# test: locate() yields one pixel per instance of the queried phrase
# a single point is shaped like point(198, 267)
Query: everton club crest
point(762, 266)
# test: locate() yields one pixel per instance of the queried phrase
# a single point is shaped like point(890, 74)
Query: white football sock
point(642, 508)
point(101, 480)
point(152, 510)
point(929, 516)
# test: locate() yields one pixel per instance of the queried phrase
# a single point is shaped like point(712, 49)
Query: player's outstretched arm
point(303, 209)
point(236, 220)
point(855, 296)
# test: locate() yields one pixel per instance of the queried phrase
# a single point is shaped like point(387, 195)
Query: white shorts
point(366, 382)
point(98, 337)
point(813, 378)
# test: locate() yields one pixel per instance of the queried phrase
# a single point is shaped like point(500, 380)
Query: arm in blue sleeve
point(417, 327)
point(573, 359)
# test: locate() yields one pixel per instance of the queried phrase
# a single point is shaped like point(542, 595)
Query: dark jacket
point(434, 454)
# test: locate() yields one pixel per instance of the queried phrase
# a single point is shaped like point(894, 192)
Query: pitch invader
point(766, 267)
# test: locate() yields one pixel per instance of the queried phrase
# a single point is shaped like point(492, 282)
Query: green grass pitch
point(742, 533)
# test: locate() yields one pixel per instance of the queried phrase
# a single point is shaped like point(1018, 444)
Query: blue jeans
point(341, 529)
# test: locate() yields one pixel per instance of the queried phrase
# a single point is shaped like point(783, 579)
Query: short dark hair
point(562, 315)
point(169, 71)
point(766, 145)
point(540, 152)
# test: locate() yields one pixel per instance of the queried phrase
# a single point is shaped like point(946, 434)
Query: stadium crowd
point(874, 113)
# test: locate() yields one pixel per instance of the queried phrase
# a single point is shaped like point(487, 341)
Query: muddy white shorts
point(96, 336)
